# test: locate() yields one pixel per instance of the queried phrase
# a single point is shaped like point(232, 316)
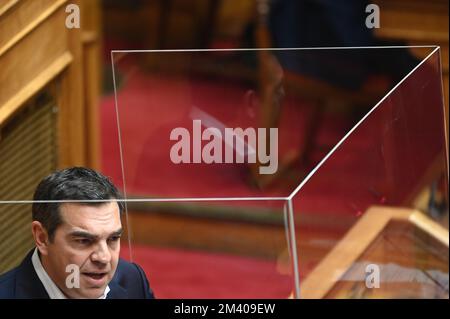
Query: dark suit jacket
point(22, 282)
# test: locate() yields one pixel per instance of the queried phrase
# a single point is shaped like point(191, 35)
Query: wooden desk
point(420, 245)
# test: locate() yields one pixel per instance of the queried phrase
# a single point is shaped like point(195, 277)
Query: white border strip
point(151, 200)
point(116, 105)
point(444, 112)
point(308, 177)
point(294, 249)
point(122, 165)
point(276, 49)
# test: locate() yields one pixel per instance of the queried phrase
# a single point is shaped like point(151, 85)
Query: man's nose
point(101, 253)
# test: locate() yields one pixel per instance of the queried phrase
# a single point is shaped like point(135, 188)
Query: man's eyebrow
point(117, 233)
point(84, 234)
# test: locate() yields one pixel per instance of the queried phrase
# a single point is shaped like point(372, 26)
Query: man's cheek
point(81, 261)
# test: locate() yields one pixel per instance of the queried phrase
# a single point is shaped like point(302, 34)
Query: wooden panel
point(91, 38)
point(34, 53)
point(322, 279)
point(414, 20)
point(18, 18)
point(6, 5)
point(27, 153)
point(32, 56)
point(417, 22)
point(401, 249)
point(32, 87)
point(72, 126)
point(91, 87)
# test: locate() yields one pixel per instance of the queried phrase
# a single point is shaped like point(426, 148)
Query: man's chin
point(94, 293)
point(89, 293)
point(91, 290)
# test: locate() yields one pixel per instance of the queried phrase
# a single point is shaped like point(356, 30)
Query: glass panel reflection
point(200, 123)
point(214, 249)
point(377, 209)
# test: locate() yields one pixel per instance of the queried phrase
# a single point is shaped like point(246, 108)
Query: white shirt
point(53, 291)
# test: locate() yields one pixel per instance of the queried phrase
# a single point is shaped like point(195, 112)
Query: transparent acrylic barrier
point(214, 249)
point(167, 101)
point(240, 226)
point(197, 124)
point(372, 219)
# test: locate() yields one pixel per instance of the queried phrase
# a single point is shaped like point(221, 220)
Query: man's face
point(89, 237)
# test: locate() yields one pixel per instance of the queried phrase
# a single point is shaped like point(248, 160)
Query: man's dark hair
point(76, 183)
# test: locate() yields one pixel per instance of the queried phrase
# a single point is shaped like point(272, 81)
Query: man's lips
point(96, 275)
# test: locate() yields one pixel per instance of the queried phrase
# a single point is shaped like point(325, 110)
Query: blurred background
point(57, 109)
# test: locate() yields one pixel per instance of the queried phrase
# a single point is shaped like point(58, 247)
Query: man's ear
point(40, 236)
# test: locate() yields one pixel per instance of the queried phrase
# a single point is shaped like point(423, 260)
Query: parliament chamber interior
point(264, 148)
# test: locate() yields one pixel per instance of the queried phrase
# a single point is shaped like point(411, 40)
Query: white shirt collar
point(53, 291)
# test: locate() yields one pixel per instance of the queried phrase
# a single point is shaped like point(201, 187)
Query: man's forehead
point(105, 215)
point(90, 206)
point(76, 231)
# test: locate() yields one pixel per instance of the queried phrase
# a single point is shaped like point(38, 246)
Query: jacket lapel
point(116, 291)
point(28, 284)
